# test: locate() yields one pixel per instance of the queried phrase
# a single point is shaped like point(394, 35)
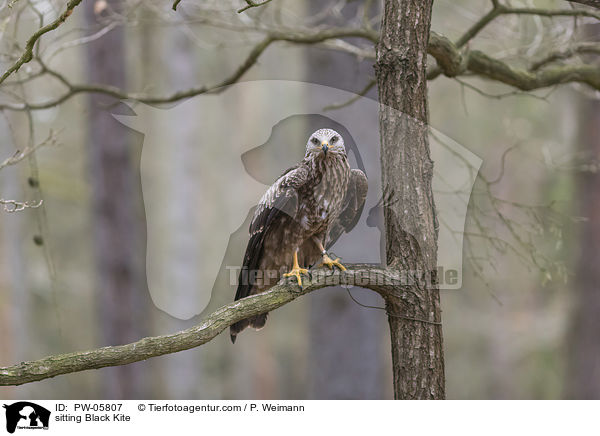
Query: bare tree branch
point(452, 63)
point(479, 25)
point(28, 53)
point(499, 10)
point(490, 68)
point(383, 281)
point(592, 3)
point(18, 156)
point(550, 12)
point(297, 38)
point(348, 102)
point(251, 4)
point(11, 206)
point(586, 47)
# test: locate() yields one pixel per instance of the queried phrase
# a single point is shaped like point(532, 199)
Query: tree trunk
point(583, 380)
point(185, 376)
point(410, 221)
point(117, 235)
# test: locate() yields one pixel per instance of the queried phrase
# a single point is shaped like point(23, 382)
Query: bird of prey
point(304, 211)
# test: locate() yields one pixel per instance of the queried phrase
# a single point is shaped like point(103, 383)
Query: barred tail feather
point(256, 322)
point(236, 328)
point(245, 288)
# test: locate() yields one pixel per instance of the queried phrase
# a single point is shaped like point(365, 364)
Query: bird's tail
point(257, 322)
point(246, 287)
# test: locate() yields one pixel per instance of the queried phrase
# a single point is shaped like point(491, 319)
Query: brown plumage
point(304, 211)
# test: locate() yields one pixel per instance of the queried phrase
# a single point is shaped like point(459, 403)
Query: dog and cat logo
point(26, 415)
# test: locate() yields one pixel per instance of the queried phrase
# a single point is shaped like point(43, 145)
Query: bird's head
point(325, 142)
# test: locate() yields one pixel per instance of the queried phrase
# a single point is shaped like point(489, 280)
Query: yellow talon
point(331, 263)
point(296, 271)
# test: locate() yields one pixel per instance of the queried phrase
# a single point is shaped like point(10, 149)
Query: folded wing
point(354, 202)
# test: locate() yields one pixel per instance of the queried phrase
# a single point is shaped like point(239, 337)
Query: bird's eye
point(334, 139)
point(315, 141)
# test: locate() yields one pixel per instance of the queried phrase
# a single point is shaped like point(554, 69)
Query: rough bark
point(407, 172)
point(116, 232)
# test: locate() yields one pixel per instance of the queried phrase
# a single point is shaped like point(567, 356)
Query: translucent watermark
point(207, 161)
point(371, 278)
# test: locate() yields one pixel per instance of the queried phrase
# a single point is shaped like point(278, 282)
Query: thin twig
point(257, 50)
point(499, 10)
point(18, 156)
point(388, 313)
point(478, 26)
point(587, 47)
point(592, 3)
point(11, 206)
point(251, 4)
point(348, 102)
point(500, 96)
point(452, 61)
point(29, 46)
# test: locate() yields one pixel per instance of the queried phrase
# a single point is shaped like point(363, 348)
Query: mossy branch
point(452, 58)
point(454, 62)
point(30, 44)
point(384, 281)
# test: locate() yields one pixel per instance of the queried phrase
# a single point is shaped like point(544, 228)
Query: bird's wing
point(352, 207)
point(281, 198)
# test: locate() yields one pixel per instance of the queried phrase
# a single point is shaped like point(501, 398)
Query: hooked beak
point(325, 147)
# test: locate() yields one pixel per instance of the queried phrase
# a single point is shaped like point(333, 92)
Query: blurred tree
point(344, 337)
point(583, 379)
point(117, 231)
point(17, 335)
point(180, 368)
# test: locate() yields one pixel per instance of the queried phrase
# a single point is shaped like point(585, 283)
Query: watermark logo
point(25, 415)
point(206, 162)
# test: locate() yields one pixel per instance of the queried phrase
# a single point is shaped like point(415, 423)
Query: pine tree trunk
point(407, 172)
point(119, 260)
point(583, 377)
